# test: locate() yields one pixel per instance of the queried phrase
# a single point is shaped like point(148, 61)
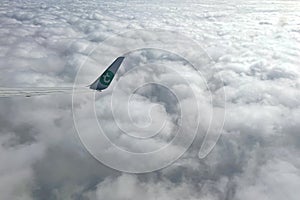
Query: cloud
point(130, 187)
point(44, 45)
point(16, 168)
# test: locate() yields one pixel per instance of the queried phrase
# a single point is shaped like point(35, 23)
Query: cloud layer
point(254, 47)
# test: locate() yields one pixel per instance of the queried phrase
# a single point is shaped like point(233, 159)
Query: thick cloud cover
point(254, 47)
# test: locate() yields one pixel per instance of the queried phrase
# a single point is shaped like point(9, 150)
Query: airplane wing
point(105, 79)
point(99, 84)
point(38, 91)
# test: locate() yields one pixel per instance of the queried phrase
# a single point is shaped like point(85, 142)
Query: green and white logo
point(106, 78)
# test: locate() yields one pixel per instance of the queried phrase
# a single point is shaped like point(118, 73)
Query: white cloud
point(255, 47)
point(130, 187)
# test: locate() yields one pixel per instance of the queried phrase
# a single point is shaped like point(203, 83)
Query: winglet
point(105, 79)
